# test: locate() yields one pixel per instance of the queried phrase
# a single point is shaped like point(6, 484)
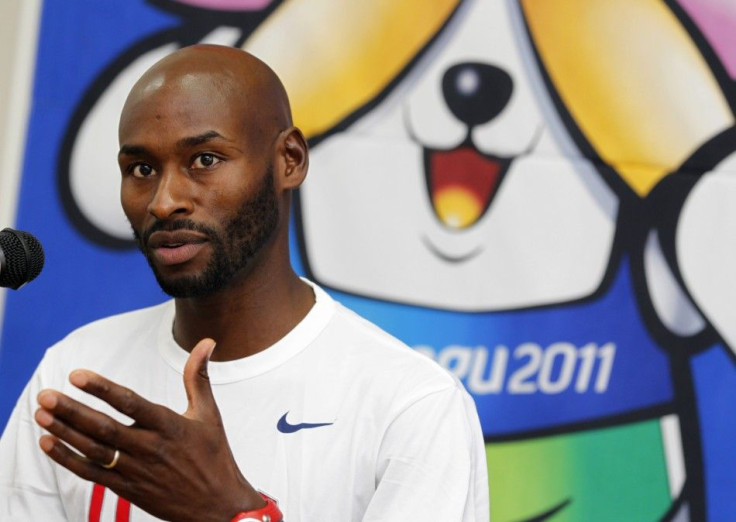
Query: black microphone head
point(21, 258)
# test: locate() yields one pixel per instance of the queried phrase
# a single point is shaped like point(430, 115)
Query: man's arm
point(432, 463)
point(175, 467)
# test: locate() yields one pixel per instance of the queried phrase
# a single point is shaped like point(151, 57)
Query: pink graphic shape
point(716, 19)
point(228, 5)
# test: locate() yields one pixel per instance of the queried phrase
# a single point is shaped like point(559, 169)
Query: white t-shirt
point(398, 437)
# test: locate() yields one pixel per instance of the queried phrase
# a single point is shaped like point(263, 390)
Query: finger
point(201, 402)
point(63, 413)
point(126, 401)
point(89, 447)
point(76, 463)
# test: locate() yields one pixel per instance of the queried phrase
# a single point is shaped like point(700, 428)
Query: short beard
point(232, 249)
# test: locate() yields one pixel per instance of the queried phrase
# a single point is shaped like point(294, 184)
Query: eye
point(205, 161)
point(141, 170)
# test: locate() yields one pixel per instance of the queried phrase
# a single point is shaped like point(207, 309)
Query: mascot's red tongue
point(462, 183)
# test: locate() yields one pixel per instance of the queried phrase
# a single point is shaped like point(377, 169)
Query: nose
point(171, 196)
point(476, 92)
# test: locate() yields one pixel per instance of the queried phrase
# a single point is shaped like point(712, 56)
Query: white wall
point(17, 57)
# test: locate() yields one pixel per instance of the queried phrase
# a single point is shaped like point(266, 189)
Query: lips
point(175, 248)
point(462, 183)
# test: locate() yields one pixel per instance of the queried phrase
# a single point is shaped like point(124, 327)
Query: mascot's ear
point(605, 84)
point(293, 159)
point(343, 71)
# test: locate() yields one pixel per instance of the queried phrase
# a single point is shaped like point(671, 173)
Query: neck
point(246, 317)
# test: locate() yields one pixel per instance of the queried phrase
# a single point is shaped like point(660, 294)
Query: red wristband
point(269, 513)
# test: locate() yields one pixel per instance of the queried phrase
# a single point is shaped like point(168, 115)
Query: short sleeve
point(432, 464)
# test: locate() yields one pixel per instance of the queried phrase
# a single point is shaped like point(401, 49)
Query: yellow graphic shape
point(457, 207)
point(633, 81)
point(334, 56)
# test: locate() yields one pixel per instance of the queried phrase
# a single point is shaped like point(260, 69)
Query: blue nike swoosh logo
point(284, 427)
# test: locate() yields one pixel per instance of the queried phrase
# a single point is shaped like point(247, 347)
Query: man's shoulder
point(356, 355)
point(117, 342)
point(121, 326)
point(377, 352)
point(360, 329)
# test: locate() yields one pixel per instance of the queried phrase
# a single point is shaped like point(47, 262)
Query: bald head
point(207, 145)
point(220, 75)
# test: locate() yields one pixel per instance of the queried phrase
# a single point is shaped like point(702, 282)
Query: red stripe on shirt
point(95, 505)
point(122, 513)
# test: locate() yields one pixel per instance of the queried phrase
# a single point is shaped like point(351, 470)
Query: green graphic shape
point(610, 474)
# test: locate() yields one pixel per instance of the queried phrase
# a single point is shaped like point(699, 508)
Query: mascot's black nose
point(476, 92)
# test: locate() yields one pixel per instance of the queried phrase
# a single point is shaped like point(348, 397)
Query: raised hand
point(174, 466)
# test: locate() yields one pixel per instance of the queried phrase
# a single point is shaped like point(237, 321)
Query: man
point(322, 411)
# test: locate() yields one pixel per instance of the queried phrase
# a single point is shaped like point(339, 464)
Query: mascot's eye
point(204, 161)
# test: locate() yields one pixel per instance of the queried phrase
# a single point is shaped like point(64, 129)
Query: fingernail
point(47, 399)
point(44, 418)
point(46, 444)
point(78, 378)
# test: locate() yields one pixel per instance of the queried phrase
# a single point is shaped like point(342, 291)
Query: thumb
point(201, 402)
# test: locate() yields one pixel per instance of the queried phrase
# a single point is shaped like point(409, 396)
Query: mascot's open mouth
point(462, 183)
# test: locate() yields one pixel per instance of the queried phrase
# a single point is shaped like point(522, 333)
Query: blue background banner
point(537, 194)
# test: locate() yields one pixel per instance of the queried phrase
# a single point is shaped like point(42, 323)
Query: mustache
point(171, 226)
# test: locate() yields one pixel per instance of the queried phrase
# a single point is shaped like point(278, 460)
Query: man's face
point(233, 244)
point(197, 185)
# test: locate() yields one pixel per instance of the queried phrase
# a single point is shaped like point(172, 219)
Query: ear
point(294, 158)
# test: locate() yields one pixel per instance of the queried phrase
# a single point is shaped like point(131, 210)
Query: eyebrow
point(131, 150)
point(190, 141)
point(193, 141)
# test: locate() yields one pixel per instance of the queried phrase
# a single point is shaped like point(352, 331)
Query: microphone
point(21, 258)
